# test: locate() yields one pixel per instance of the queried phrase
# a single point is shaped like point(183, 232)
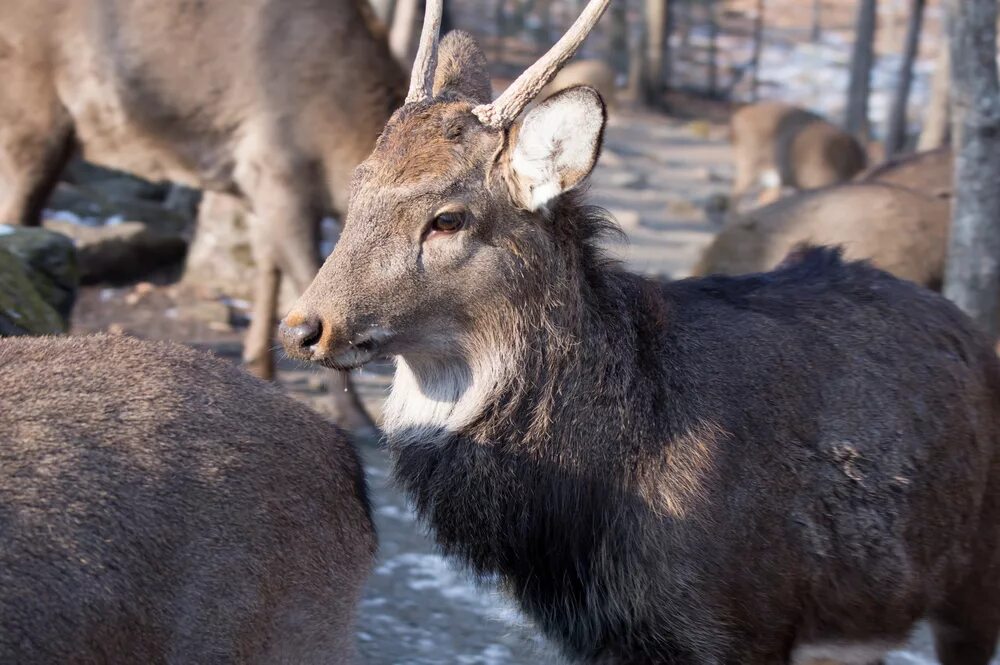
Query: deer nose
point(298, 334)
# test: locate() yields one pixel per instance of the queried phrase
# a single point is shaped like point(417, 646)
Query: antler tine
point(505, 109)
point(422, 76)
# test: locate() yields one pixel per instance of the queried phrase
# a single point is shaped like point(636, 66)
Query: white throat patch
point(431, 399)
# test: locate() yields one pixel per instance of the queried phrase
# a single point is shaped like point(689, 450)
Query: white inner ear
point(557, 146)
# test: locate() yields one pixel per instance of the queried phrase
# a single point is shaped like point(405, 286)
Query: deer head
point(454, 216)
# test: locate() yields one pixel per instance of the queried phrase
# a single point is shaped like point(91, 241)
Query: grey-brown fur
point(899, 230)
point(712, 471)
point(896, 215)
point(275, 100)
point(158, 505)
point(790, 147)
point(931, 172)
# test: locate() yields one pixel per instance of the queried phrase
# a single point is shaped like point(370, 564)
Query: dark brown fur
point(159, 505)
point(712, 471)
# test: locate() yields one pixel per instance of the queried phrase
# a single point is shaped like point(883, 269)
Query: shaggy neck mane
point(537, 457)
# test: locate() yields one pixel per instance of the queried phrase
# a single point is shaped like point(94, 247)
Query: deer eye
point(448, 222)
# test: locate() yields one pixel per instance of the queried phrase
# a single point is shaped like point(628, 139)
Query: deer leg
point(36, 141)
point(288, 232)
point(257, 356)
point(345, 405)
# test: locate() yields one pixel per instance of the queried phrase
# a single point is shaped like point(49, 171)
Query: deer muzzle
point(309, 338)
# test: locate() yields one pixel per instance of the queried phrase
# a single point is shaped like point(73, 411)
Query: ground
point(654, 175)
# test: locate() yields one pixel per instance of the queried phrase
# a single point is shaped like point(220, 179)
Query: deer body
point(159, 505)
point(648, 490)
point(896, 215)
point(274, 101)
point(777, 145)
point(897, 229)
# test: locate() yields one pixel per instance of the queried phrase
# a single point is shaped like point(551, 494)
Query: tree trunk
point(652, 70)
point(972, 278)
point(383, 9)
point(817, 21)
point(758, 45)
point(895, 138)
point(713, 48)
point(862, 59)
point(401, 33)
point(936, 131)
point(618, 46)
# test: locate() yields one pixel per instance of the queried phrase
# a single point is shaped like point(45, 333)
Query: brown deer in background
point(159, 505)
point(743, 470)
point(896, 215)
point(274, 102)
point(777, 145)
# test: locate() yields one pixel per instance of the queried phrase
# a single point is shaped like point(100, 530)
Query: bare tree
point(972, 277)
point(896, 134)
point(404, 26)
point(402, 31)
point(862, 59)
point(383, 9)
point(936, 130)
point(619, 42)
point(713, 48)
point(817, 20)
point(758, 45)
point(657, 41)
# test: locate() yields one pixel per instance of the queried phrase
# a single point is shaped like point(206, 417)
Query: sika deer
point(777, 145)
point(897, 229)
point(929, 173)
point(896, 215)
point(276, 102)
point(769, 469)
point(160, 506)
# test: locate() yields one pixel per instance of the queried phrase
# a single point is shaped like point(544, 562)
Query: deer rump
point(158, 505)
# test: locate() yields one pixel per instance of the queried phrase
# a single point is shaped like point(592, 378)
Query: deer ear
point(461, 68)
point(556, 146)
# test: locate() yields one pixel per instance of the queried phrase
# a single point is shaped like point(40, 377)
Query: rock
point(50, 262)
point(125, 250)
point(23, 311)
point(112, 184)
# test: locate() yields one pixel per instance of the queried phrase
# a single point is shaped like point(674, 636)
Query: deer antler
point(422, 76)
point(505, 109)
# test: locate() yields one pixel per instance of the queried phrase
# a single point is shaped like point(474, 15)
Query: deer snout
point(308, 337)
point(300, 335)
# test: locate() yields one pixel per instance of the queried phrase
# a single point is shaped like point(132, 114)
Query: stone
point(120, 250)
point(50, 262)
point(23, 310)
